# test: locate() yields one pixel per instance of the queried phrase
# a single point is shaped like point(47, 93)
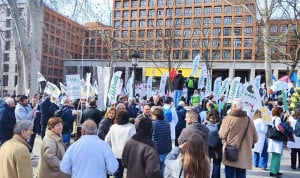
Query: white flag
point(195, 65)
point(113, 90)
point(149, 87)
point(40, 77)
point(234, 87)
point(208, 86)
point(64, 89)
point(52, 89)
point(257, 81)
point(162, 84)
point(201, 77)
point(251, 99)
point(217, 88)
point(103, 74)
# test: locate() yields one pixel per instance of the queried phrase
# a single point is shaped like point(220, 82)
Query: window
point(133, 24)
point(150, 33)
point(248, 31)
point(177, 43)
point(5, 67)
point(142, 23)
point(177, 32)
point(227, 9)
point(226, 42)
point(126, 4)
point(206, 31)
point(169, 22)
point(187, 22)
point(160, 12)
point(247, 53)
point(237, 54)
point(226, 54)
point(216, 55)
point(8, 23)
point(283, 28)
point(6, 57)
point(188, 11)
point(178, 2)
point(133, 34)
point(206, 21)
point(160, 2)
point(176, 54)
point(159, 33)
point(205, 42)
point(118, 4)
point(150, 22)
point(227, 20)
point(143, 3)
point(117, 14)
point(274, 28)
point(247, 42)
point(198, 1)
point(157, 54)
point(216, 43)
point(187, 32)
point(169, 12)
point(237, 42)
point(168, 33)
point(7, 45)
point(217, 10)
point(134, 3)
point(5, 80)
point(238, 9)
point(159, 23)
point(188, 2)
point(116, 34)
point(142, 13)
point(149, 54)
point(125, 24)
point(217, 21)
point(186, 43)
point(207, 1)
point(207, 10)
point(7, 34)
point(178, 12)
point(238, 31)
point(177, 22)
point(124, 33)
point(197, 32)
point(248, 20)
point(125, 14)
point(195, 53)
point(133, 13)
point(169, 2)
point(217, 31)
point(186, 54)
point(197, 10)
point(197, 21)
point(238, 20)
point(158, 44)
point(196, 43)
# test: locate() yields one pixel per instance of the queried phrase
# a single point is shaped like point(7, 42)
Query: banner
point(225, 85)
point(234, 86)
point(284, 99)
point(208, 85)
point(195, 65)
point(40, 77)
point(129, 86)
point(113, 89)
point(217, 88)
point(149, 87)
point(95, 87)
point(251, 99)
point(162, 84)
point(120, 86)
point(103, 74)
point(201, 77)
point(73, 86)
point(257, 81)
point(52, 89)
point(64, 89)
point(279, 85)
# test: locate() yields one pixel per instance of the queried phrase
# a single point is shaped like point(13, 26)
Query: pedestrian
point(178, 83)
point(7, 120)
point(181, 112)
point(89, 156)
point(230, 134)
point(191, 85)
point(260, 155)
point(91, 112)
point(275, 146)
point(119, 133)
point(190, 159)
point(294, 146)
point(23, 109)
point(52, 151)
point(48, 108)
point(15, 159)
point(106, 122)
point(140, 156)
point(161, 135)
point(170, 115)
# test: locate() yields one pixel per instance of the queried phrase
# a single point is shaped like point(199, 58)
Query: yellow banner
point(155, 72)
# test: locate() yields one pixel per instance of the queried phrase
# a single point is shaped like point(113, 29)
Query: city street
point(254, 173)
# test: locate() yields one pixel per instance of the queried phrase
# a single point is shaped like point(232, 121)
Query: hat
point(144, 127)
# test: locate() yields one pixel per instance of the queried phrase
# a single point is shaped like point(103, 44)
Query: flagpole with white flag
point(195, 65)
point(234, 86)
point(162, 84)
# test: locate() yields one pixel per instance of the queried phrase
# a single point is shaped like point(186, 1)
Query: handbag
point(231, 151)
point(274, 134)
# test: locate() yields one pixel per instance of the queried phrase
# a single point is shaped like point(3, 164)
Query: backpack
point(168, 114)
point(190, 83)
point(297, 128)
point(60, 112)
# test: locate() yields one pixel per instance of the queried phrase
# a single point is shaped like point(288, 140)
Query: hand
point(182, 147)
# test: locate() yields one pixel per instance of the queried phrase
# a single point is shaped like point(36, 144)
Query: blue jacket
point(7, 122)
point(47, 109)
point(181, 111)
point(68, 119)
point(161, 136)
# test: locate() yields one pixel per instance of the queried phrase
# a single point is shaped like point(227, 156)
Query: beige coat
point(15, 159)
point(52, 151)
point(231, 133)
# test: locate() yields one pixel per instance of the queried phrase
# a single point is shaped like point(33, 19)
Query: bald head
point(89, 127)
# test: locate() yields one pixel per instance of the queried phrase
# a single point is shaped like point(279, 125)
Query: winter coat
point(174, 121)
point(7, 122)
point(161, 136)
point(261, 129)
point(141, 159)
point(47, 110)
point(104, 126)
point(214, 141)
point(181, 111)
point(178, 82)
point(231, 133)
point(173, 164)
point(197, 127)
point(274, 145)
point(68, 119)
point(24, 112)
point(52, 151)
point(15, 159)
point(91, 113)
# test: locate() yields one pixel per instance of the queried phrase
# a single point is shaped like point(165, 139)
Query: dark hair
point(144, 127)
point(92, 102)
point(22, 98)
point(213, 116)
point(277, 111)
point(168, 100)
point(159, 113)
point(122, 117)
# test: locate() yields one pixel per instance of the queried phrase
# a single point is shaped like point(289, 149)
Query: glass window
point(227, 32)
point(237, 54)
point(206, 21)
point(133, 13)
point(160, 2)
point(176, 54)
point(178, 2)
point(133, 34)
point(217, 10)
point(177, 22)
point(151, 3)
point(133, 23)
point(150, 33)
point(217, 31)
point(197, 32)
point(159, 23)
point(283, 28)
point(238, 20)
point(125, 24)
point(248, 31)
point(187, 32)
point(197, 10)
point(169, 22)
point(118, 4)
point(216, 55)
point(142, 13)
point(117, 24)
point(125, 14)
point(216, 42)
point(160, 12)
point(169, 2)
point(178, 12)
point(206, 42)
point(207, 1)
point(226, 54)
point(186, 43)
point(227, 9)
point(188, 11)
point(207, 10)
point(196, 43)
point(143, 3)
point(217, 21)
point(124, 33)
point(158, 44)
point(238, 9)
point(206, 31)
point(126, 4)
point(117, 14)
point(227, 20)
point(157, 54)
point(249, 20)
point(141, 33)
point(159, 33)
point(177, 43)
point(197, 21)
point(226, 42)
point(150, 23)
point(177, 32)
point(142, 23)
point(187, 22)
point(149, 54)
point(186, 54)
point(237, 42)
point(168, 33)
point(151, 13)
point(274, 28)
point(188, 2)
point(134, 3)
point(237, 31)
point(169, 12)
point(247, 42)
point(198, 1)
point(195, 53)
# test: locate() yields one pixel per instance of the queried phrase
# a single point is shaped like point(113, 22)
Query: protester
point(231, 132)
point(191, 85)
point(195, 99)
point(34, 103)
point(23, 110)
point(155, 101)
point(91, 112)
point(161, 135)
point(140, 156)
point(48, 108)
point(106, 122)
point(118, 135)
point(189, 159)
point(260, 155)
point(168, 108)
point(15, 159)
point(89, 156)
point(7, 120)
point(178, 87)
point(181, 112)
point(294, 146)
point(52, 151)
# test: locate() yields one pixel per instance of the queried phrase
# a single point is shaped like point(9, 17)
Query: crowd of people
point(161, 137)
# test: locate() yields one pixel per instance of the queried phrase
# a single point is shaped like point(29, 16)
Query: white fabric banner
point(162, 84)
point(120, 86)
point(234, 87)
point(251, 99)
point(149, 87)
point(103, 74)
point(257, 81)
point(208, 85)
point(113, 89)
point(217, 88)
point(40, 77)
point(201, 77)
point(52, 89)
point(73, 86)
point(195, 65)
point(225, 85)
point(64, 89)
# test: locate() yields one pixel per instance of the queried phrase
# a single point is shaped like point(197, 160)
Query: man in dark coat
point(7, 120)
point(91, 113)
point(181, 112)
point(47, 109)
point(178, 87)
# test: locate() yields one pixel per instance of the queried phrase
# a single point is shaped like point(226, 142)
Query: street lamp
point(134, 58)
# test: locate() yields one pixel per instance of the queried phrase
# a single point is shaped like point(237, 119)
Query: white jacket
point(275, 146)
point(174, 119)
point(261, 129)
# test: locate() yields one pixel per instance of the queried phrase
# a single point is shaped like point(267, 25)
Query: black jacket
point(104, 127)
point(181, 111)
point(47, 109)
point(178, 82)
point(7, 122)
point(91, 113)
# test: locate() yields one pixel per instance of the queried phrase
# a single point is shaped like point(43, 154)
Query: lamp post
point(134, 58)
point(233, 57)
